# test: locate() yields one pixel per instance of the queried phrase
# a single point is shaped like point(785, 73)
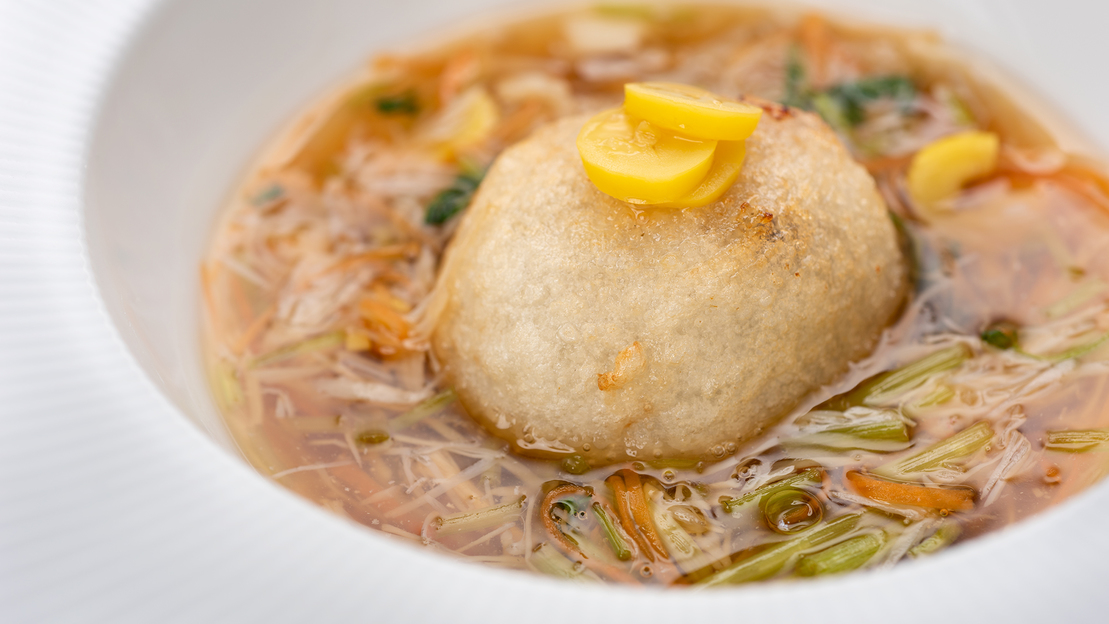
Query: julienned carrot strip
point(388, 275)
point(546, 507)
point(1079, 182)
point(641, 513)
point(816, 39)
point(386, 327)
point(624, 513)
point(952, 498)
point(887, 163)
point(384, 316)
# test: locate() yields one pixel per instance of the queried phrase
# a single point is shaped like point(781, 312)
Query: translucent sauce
point(319, 360)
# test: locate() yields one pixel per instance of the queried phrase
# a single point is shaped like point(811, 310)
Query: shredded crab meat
point(372, 392)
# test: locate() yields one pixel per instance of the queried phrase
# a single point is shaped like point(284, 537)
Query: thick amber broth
point(313, 291)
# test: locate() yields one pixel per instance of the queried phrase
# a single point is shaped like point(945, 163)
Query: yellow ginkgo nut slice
point(721, 176)
point(640, 163)
point(691, 111)
point(943, 167)
point(726, 165)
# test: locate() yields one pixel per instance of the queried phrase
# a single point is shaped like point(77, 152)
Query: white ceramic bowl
point(123, 127)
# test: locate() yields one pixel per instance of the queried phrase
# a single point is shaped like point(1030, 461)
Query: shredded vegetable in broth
point(984, 403)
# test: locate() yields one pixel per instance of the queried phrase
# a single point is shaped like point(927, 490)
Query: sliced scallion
point(810, 477)
point(429, 407)
point(942, 394)
point(546, 559)
point(883, 424)
point(959, 446)
point(886, 388)
point(480, 519)
point(1076, 440)
point(857, 428)
point(845, 556)
point(1069, 354)
point(771, 560)
point(612, 534)
point(944, 536)
point(791, 511)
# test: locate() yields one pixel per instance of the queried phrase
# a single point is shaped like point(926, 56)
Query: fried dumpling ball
point(571, 322)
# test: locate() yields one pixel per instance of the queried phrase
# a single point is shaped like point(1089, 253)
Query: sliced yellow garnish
point(639, 162)
point(721, 176)
point(943, 167)
point(465, 122)
point(691, 111)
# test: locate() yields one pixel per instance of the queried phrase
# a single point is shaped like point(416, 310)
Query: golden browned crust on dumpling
point(572, 322)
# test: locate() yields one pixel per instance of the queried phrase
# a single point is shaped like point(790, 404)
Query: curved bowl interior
point(205, 83)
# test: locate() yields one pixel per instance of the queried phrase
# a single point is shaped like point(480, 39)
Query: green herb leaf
point(1002, 335)
point(402, 104)
point(454, 198)
point(797, 93)
point(852, 97)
